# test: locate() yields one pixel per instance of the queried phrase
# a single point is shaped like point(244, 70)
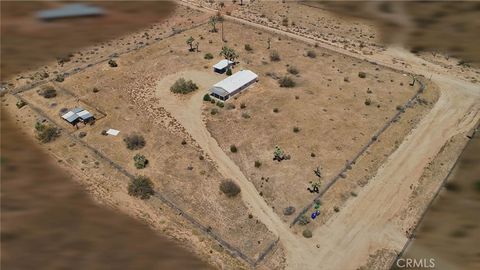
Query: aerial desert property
point(255, 134)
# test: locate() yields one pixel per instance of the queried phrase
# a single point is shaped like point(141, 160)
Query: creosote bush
point(368, 102)
point(248, 48)
point(286, 81)
point(208, 56)
point(233, 148)
point(134, 141)
point(258, 164)
point(140, 161)
point(292, 70)
point(311, 54)
point(141, 187)
point(296, 129)
point(220, 104)
point(307, 233)
point(207, 97)
point(112, 63)
point(362, 74)
point(275, 110)
point(274, 56)
point(48, 92)
point(229, 188)
point(182, 86)
point(229, 72)
point(46, 133)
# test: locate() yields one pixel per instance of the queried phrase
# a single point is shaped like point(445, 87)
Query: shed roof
point(222, 64)
point(84, 114)
point(236, 81)
point(70, 10)
point(70, 116)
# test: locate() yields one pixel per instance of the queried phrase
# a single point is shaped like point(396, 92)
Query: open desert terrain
point(367, 132)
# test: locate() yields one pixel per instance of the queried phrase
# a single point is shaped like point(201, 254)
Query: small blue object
point(314, 215)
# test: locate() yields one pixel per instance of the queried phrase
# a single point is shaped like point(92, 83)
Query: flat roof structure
point(70, 11)
point(233, 84)
point(77, 114)
point(223, 64)
point(70, 117)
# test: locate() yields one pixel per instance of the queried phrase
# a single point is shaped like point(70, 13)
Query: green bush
point(134, 141)
point(20, 104)
point(182, 86)
point(229, 188)
point(220, 104)
point(140, 161)
point(214, 111)
point(112, 63)
point(362, 74)
point(208, 56)
point(206, 97)
point(311, 54)
point(307, 233)
point(46, 133)
point(141, 187)
point(229, 72)
point(48, 92)
point(248, 48)
point(292, 70)
point(258, 164)
point(303, 220)
point(274, 56)
point(233, 148)
point(286, 81)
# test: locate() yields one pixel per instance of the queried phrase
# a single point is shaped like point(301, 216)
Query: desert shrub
point(362, 74)
point(60, 78)
point(336, 209)
point(303, 220)
point(183, 86)
point(140, 161)
point(230, 106)
point(46, 133)
point(82, 134)
point(112, 63)
point(245, 115)
point(312, 154)
point(307, 233)
point(285, 21)
point(20, 104)
point(229, 72)
point(243, 105)
point(289, 210)
point(275, 110)
point(212, 101)
point(311, 54)
point(296, 129)
point(206, 97)
point(104, 132)
point(274, 56)
point(286, 81)
point(292, 70)
point(214, 111)
point(248, 48)
point(48, 92)
point(208, 56)
point(229, 188)
point(141, 187)
point(258, 164)
point(134, 141)
point(368, 102)
point(95, 90)
point(220, 104)
point(233, 148)
point(400, 108)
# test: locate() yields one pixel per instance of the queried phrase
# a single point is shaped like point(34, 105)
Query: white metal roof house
point(233, 84)
point(78, 115)
point(222, 66)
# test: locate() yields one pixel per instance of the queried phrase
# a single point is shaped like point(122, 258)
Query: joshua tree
point(268, 42)
point(278, 154)
point(213, 22)
point(190, 41)
point(229, 53)
point(196, 46)
point(317, 172)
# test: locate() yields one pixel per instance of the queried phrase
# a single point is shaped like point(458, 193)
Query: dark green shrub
point(292, 70)
point(368, 102)
point(220, 104)
point(208, 56)
point(243, 105)
point(141, 187)
point(286, 81)
point(182, 86)
point(275, 110)
point(206, 97)
point(248, 48)
point(46, 133)
point(233, 148)
point(303, 220)
point(229, 72)
point(307, 233)
point(229, 188)
point(296, 129)
point(311, 54)
point(258, 164)
point(112, 63)
point(134, 141)
point(362, 74)
point(140, 161)
point(274, 56)
point(48, 92)
point(21, 103)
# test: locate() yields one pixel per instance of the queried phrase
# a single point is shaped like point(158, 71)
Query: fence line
point(361, 152)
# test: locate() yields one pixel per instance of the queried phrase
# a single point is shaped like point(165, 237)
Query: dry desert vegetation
point(337, 123)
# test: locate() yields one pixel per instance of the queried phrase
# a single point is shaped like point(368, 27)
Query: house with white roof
point(77, 115)
point(222, 66)
point(233, 84)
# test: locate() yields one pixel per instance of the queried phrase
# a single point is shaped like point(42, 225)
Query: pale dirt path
point(370, 221)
